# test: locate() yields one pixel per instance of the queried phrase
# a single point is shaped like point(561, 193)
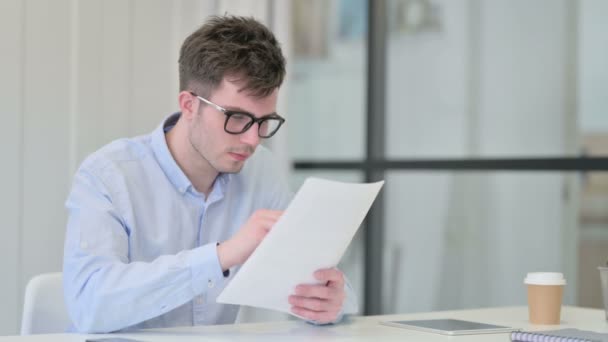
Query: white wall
point(76, 75)
point(34, 102)
point(11, 148)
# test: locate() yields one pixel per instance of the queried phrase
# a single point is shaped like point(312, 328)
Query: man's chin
point(235, 168)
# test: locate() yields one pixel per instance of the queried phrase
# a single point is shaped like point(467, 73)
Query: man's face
point(223, 151)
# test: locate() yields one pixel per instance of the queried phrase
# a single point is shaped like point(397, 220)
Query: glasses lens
point(238, 123)
point(269, 127)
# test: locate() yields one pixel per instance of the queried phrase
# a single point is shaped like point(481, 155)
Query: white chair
point(43, 308)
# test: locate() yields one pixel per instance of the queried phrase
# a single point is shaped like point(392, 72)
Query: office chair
point(44, 310)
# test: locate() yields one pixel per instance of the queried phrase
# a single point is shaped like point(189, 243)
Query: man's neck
point(198, 170)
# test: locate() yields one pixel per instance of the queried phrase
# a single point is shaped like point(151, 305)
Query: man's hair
point(231, 46)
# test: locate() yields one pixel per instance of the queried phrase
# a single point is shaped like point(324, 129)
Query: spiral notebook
point(563, 335)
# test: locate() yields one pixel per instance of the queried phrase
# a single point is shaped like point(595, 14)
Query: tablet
point(450, 326)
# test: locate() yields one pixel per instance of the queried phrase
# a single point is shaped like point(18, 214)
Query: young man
point(159, 224)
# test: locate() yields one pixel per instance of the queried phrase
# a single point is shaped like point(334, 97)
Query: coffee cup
point(545, 291)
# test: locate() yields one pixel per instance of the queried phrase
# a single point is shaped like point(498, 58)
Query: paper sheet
point(313, 233)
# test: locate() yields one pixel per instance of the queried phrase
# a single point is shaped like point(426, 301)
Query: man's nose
point(251, 137)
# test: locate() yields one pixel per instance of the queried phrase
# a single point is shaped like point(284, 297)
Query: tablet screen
point(450, 326)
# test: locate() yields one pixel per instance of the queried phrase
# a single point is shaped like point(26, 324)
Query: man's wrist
point(224, 255)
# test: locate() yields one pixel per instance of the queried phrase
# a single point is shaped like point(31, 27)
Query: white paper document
point(313, 233)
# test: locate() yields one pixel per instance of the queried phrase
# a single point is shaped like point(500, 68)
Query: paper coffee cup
point(545, 291)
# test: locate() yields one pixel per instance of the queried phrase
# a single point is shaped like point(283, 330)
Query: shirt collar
point(164, 157)
point(175, 174)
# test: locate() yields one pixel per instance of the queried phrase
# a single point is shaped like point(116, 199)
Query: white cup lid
point(545, 278)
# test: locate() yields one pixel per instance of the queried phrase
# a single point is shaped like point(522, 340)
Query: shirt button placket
point(199, 307)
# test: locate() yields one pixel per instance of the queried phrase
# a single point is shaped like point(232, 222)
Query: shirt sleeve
point(280, 196)
point(272, 184)
point(103, 291)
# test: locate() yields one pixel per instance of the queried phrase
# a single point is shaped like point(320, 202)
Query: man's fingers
point(321, 303)
point(331, 276)
point(267, 222)
point(311, 315)
point(266, 218)
point(314, 304)
point(320, 291)
point(269, 214)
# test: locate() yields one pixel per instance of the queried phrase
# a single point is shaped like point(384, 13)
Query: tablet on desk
point(450, 326)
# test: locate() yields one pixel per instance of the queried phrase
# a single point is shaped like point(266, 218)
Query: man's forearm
point(105, 295)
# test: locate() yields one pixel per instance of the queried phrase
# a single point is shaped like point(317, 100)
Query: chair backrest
point(43, 308)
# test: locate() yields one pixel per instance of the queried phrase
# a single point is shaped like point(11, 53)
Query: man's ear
point(188, 105)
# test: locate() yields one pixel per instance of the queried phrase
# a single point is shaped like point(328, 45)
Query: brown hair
point(231, 46)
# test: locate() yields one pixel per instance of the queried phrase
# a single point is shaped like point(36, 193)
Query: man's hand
point(320, 303)
point(238, 248)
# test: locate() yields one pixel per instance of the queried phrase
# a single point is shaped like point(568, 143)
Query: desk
point(361, 328)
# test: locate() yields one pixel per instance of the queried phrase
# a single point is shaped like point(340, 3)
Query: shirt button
point(200, 300)
point(210, 284)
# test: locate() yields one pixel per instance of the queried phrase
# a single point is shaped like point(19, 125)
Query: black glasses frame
point(252, 119)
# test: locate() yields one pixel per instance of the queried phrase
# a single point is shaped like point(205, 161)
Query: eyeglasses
point(239, 122)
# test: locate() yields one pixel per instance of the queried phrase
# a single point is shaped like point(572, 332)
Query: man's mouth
point(239, 156)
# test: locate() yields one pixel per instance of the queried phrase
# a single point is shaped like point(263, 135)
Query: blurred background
point(441, 80)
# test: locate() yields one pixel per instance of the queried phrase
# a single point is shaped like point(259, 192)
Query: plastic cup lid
point(545, 278)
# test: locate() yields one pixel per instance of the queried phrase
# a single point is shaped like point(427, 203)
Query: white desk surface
point(361, 328)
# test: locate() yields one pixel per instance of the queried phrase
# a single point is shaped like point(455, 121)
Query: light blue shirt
point(140, 248)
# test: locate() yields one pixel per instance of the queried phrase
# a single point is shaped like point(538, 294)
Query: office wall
point(35, 104)
point(76, 75)
point(11, 34)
